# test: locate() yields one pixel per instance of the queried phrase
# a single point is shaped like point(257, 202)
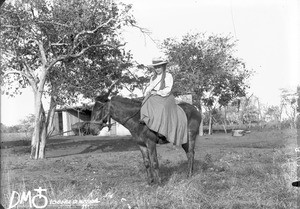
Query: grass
point(15, 137)
point(230, 173)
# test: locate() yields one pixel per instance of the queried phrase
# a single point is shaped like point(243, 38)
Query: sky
point(267, 34)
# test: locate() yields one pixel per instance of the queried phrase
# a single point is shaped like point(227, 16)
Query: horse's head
point(100, 114)
point(101, 111)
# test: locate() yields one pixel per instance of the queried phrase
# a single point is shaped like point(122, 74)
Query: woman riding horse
point(179, 124)
point(159, 110)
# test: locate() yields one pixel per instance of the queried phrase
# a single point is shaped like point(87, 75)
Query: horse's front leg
point(147, 163)
point(154, 161)
point(189, 148)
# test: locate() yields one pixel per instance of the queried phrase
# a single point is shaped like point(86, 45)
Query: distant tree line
point(25, 126)
point(250, 113)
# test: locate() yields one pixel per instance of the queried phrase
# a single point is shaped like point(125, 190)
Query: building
point(64, 118)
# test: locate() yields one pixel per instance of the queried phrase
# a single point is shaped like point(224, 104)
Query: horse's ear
point(112, 87)
point(101, 98)
point(104, 97)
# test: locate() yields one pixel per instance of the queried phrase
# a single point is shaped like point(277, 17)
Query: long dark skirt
point(163, 115)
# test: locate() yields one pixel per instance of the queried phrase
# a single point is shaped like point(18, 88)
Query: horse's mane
point(128, 101)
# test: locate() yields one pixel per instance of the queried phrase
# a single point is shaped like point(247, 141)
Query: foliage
point(298, 99)
point(61, 48)
point(273, 113)
point(27, 124)
point(78, 42)
point(206, 67)
point(10, 129)
point(288, 106)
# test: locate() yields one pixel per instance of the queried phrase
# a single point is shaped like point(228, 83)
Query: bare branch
point(42, 51)
point(91, 46)
point(76, 55)
point(54, 23)
point(89, 32)
point(28, 76)
point(16, 72)
point(60, 44)
point(145, 32)
point(10, 26)
point(28, 71)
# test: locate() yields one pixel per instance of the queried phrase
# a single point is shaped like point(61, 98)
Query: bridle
point(106, 116)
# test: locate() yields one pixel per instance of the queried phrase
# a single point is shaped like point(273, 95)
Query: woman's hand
point(153, 92)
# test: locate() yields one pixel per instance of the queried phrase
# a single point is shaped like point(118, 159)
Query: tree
point(27, 124)
point(3, 127)
point(273, 115)
point(206, 67)
point(45, 43)
point(289, 104)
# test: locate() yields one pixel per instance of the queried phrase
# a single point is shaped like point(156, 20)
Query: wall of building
point(63, 121)
point(116, 130)
point(68, 121)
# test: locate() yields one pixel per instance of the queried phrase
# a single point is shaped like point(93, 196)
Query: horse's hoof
point(189, 175)
point(157, 181)
point(150, 182)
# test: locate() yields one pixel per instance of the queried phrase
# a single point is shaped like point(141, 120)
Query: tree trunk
point(50, 116)
point(224, 127)
point(38, 141)
point(47, 126)
point(295, 118)
point(201, 132)
point(279, 118)
point(43, 136)
point(260, 119)
point(35, 142)
point(225, 119)
point(210, 124)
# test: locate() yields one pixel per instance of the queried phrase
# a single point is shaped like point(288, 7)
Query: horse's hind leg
point(189, 148)
point(147, 163)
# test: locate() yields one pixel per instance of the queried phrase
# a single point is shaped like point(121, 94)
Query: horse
point(127, 112)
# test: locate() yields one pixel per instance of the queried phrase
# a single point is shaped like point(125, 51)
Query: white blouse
point(155, 85)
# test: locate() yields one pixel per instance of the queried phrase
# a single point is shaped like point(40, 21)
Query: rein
point(107, 116)
point(136, 111)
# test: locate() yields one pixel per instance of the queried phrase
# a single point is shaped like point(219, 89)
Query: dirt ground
point(77, 166)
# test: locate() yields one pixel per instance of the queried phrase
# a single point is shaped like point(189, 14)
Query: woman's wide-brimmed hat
point(158, 61)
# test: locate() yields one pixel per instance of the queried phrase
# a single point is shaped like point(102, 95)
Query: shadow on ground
point(181, 169)
point(62, 147)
